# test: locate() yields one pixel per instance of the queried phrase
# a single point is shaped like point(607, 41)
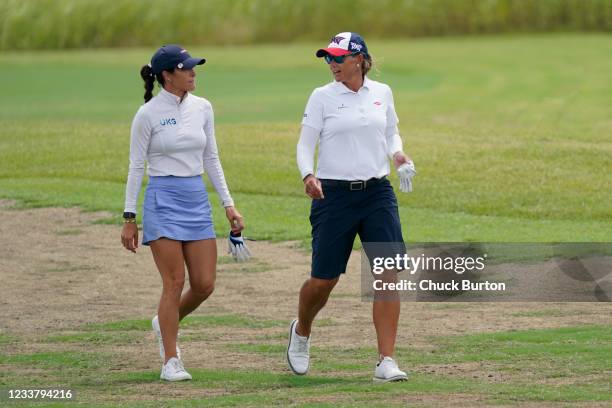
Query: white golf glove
point(237, 247)
point(406, 172)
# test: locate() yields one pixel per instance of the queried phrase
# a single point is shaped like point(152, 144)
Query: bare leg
point(385, 312)
point(313, 296)
point(168, 256)
point(201, 260)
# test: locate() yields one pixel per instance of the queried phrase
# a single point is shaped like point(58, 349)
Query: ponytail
point(149, 81)
point(146, 73)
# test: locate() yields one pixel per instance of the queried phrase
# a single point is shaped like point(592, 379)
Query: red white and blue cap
point(173, 56)
point(344, 44)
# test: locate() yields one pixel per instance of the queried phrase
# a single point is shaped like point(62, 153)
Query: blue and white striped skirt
point(176, 208)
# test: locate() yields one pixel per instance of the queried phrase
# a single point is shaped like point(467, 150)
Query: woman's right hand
point(129, 236)
point(313, 188)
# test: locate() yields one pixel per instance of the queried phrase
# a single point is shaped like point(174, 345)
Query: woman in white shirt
point(354, 122)
point(173, 132)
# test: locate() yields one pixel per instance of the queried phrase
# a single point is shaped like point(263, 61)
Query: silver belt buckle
point(356, 185)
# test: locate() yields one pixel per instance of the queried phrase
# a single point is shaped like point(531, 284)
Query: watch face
point(129, 215)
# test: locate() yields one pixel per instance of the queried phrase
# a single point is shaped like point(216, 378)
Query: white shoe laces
point(391, 362)
point(302, 345)
point(176, 365)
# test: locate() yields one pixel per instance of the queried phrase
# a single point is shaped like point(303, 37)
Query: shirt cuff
point(306, 173)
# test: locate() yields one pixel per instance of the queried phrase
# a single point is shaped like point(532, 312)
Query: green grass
point(97, 337)
point(226, 320)
point(580, 356)
point(574, 349)
point(530, 361)
point(510, 135)
point(231, 321)
point(7, 339)
point(56, 360)
point(548, 313)
point(582, 349)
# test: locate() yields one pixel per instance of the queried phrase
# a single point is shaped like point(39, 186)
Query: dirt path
point(59, 271)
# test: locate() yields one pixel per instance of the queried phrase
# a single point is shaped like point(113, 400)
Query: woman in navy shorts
point(173, 132)
point(353, 121)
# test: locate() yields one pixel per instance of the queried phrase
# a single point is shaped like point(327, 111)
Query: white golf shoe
point(173, 370)
point(298, 351)
point(158, 336)
point(387, 371)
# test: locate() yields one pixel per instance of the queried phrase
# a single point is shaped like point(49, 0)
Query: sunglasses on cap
point(338, 59)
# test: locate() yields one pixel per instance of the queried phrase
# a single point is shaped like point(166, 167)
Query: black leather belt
point(356, 185)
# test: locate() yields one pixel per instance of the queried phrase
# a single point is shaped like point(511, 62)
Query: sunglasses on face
point(338, 59)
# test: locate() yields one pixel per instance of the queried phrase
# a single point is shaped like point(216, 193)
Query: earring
point(357, 64)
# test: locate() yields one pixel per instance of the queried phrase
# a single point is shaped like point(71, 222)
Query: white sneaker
point(173, 370)
point(157, 331)
point(298, 351)
point(387, 371)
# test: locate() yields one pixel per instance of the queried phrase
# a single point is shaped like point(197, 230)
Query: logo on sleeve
point(167, 121)
point(378, 103)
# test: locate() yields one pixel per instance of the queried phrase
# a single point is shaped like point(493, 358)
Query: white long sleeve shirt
point(175, 138)
point(357, 132)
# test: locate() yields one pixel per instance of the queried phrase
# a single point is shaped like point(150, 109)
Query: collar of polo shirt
point(342, 89)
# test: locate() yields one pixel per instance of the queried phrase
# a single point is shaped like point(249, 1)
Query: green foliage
point(57, 24)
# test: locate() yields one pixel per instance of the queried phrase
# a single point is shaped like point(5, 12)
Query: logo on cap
point(337, 39)
point(355, 46)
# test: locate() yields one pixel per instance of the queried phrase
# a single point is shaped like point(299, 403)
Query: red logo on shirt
point(377, 103)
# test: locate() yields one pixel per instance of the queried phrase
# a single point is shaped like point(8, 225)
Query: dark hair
point(146, 73)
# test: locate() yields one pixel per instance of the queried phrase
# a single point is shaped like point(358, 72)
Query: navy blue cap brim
point(192, 62)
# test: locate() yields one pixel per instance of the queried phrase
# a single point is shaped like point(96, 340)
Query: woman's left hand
point(400, 158)
point(405, 171)
point(235, 219)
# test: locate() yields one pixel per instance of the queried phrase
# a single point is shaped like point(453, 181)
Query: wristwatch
point(129, 217)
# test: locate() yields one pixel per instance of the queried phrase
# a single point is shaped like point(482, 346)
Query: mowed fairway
point(512, 139)
point(511, 136)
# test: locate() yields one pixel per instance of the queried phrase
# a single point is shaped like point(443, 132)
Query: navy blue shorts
point(341, 215)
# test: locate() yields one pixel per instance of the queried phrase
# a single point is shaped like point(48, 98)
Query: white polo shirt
point(357, 132)
point(175, 138)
